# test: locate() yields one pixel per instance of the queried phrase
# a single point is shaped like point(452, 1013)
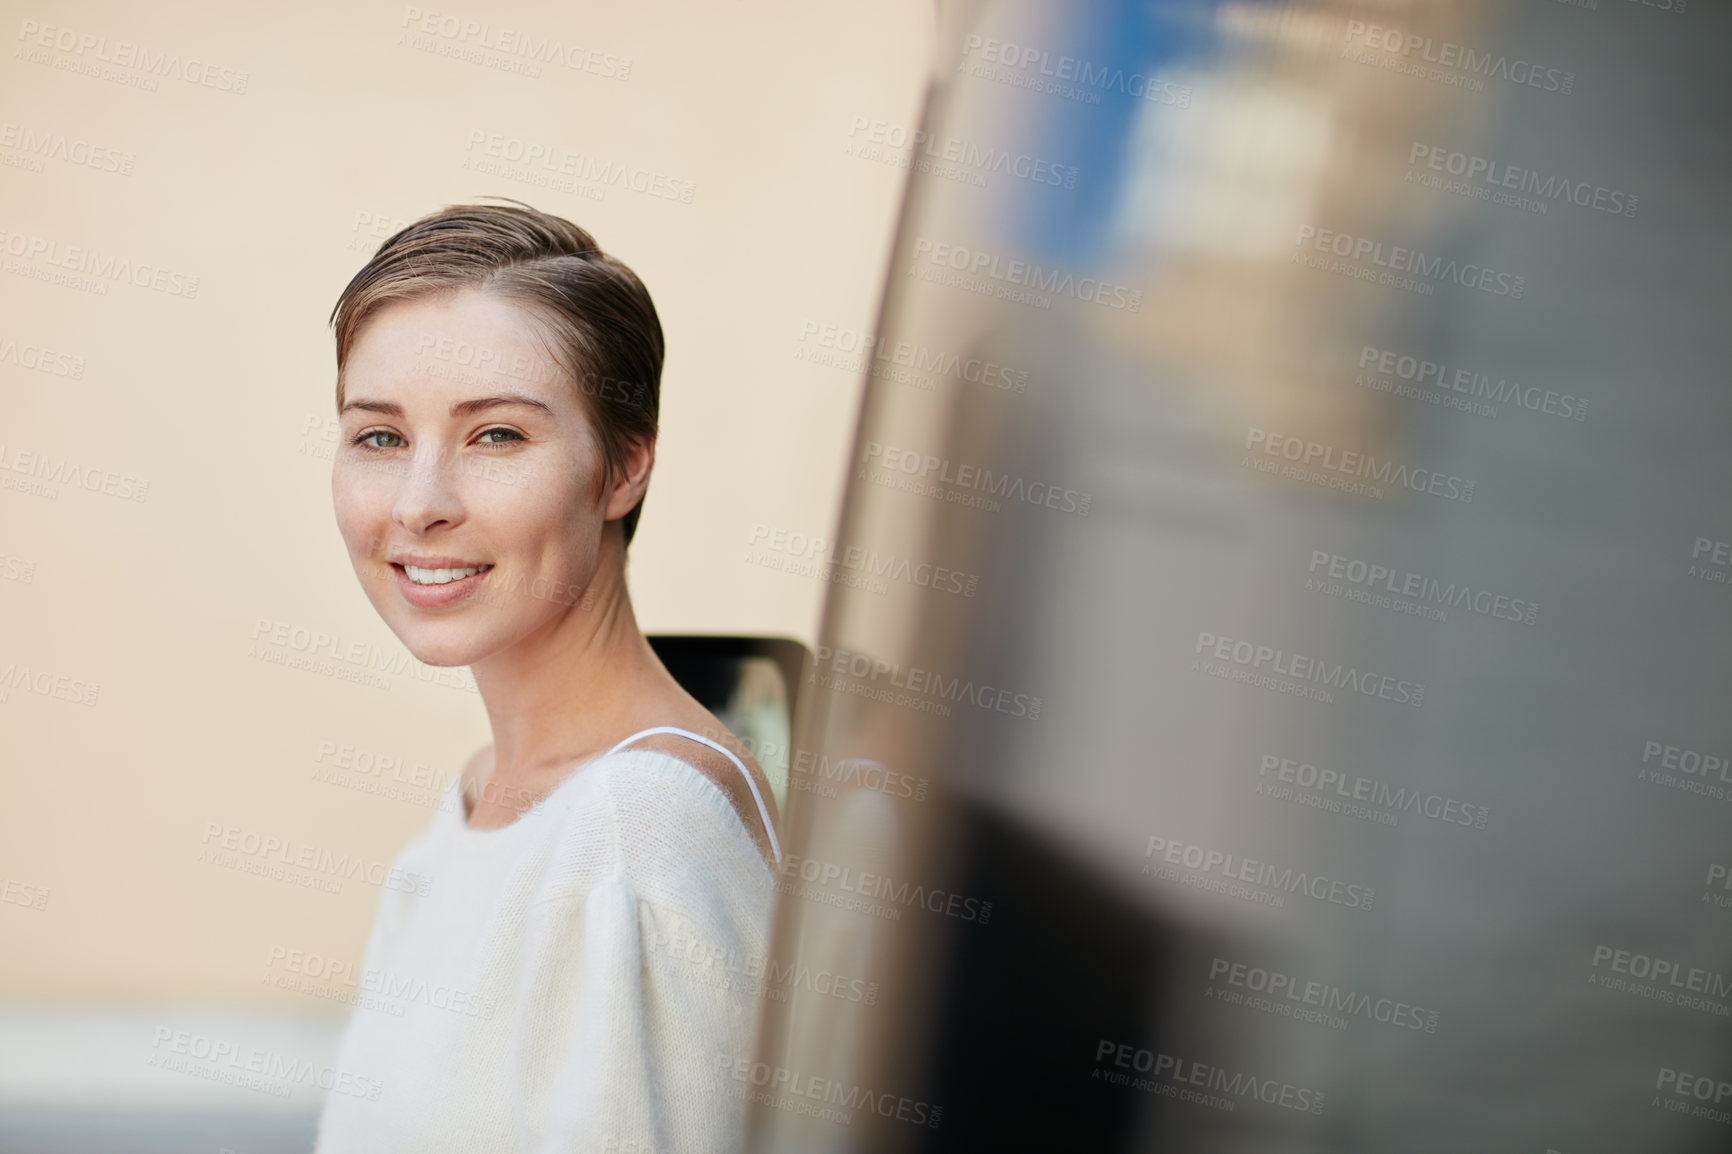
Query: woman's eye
point(368, 436)
point(512, 434)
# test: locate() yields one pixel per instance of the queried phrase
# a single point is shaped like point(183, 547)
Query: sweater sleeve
point(622, 1040)
point(602, 1090)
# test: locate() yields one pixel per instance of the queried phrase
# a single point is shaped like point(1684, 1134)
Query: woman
point(497, 384)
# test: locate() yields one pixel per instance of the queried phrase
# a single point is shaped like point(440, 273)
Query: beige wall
point(187, 552)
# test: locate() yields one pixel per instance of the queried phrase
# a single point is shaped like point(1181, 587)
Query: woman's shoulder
point(662, 824)
point(736, 778)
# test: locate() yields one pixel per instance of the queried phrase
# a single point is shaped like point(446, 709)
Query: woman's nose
point(427, 491)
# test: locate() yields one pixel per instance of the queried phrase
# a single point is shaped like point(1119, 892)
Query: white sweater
point(529, 1002)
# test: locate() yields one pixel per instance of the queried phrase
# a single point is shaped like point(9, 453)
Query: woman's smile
point(430, 582)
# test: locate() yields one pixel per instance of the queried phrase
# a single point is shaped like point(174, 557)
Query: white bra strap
point(769, 826)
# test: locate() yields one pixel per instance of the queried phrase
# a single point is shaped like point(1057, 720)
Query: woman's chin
point(433, 646)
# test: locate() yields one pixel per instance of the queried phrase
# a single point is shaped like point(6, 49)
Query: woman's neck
point(569, 690)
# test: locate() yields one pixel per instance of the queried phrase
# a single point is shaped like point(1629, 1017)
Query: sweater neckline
point(497, 834)
point(494, 835)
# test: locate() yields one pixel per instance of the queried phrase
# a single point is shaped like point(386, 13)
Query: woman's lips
point(437, 596)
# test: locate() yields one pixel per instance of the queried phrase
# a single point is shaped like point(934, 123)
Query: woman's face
point(468, 479)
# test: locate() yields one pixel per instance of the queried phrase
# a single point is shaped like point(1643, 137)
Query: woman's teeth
point(441, 576)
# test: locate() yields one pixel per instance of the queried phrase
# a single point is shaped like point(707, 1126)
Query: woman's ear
point(631, 478)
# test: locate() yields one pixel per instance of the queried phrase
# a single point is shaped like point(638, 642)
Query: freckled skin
point(550, 635)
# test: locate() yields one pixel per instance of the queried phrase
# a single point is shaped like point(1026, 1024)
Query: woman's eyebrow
point(480, 404)
point(460, 409)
